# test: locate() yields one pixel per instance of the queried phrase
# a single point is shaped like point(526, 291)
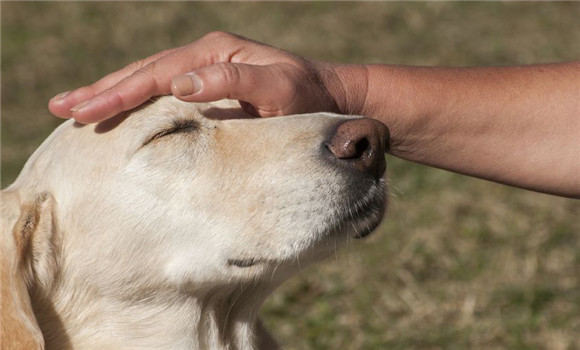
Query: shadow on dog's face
point(199, 195)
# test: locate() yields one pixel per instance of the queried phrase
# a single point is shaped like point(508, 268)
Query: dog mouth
point(360, 227)
point(358, 224)
point(360, 219)
point(356, 218)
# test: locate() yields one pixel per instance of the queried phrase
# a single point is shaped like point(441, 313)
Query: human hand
point(267, 81)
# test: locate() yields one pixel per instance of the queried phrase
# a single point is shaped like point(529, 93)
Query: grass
point(460, 263)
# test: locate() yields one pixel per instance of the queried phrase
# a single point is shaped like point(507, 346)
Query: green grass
point(460, 263)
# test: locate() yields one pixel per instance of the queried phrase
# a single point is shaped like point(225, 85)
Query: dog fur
point(167, 227)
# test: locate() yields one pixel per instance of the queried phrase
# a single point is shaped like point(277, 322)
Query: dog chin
point(362, 226)
point(361, 217)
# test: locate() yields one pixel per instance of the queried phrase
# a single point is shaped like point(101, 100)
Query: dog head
point(193, 197)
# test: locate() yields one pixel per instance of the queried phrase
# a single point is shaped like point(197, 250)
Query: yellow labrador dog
point(167, 227)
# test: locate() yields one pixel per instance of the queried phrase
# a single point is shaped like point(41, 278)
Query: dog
point(167, 226)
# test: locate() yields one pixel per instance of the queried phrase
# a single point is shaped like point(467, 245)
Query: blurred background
point(460, 263)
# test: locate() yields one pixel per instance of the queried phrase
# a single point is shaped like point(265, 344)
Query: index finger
point(155, 78)
point(61, 104)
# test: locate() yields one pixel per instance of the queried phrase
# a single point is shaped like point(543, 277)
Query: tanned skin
point(517, 125)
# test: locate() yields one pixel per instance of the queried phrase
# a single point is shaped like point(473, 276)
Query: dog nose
point(361, 143)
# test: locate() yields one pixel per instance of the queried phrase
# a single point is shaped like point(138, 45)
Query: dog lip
point(365, 232)
point(367, 229)
point(370, 213)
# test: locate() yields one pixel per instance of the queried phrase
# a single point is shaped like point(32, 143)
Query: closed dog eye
point(178, 127)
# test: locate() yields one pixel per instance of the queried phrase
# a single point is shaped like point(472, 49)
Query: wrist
point(348, 86)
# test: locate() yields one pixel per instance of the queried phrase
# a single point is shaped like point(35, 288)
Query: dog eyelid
point(179, 126)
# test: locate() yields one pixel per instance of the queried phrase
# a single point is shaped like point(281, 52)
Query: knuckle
point(166, 52)
point(147, 79)
point(136, 65)
point(114, 99)
point(288, 89)
point(229, 72)
point(289, 80)
point(148, 69)
point(218, 36)
point(120, 102)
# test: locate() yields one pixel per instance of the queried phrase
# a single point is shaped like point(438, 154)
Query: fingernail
point(80, 106)
point(60, 96)
point(187, 84)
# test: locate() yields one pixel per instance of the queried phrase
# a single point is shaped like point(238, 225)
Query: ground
point(460, 263)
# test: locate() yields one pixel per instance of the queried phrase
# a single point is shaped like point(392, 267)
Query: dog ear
point(28, 261)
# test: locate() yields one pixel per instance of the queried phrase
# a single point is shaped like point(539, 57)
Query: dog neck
point(218, 318)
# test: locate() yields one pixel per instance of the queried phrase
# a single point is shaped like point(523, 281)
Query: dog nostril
point(350, 149)
point(361, 147)
point(360, 143)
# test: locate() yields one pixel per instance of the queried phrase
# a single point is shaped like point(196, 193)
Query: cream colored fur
point(121, 236)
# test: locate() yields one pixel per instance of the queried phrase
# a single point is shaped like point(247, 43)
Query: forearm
point(515, 125)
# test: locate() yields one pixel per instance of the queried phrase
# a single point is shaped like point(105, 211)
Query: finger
point(61, 104)
point(129, 93)
point(151, 80)
point(154, 78)
point(267, 88)
point(112, 79)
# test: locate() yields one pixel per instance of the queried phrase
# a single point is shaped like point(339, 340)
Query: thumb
point(269, 89)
